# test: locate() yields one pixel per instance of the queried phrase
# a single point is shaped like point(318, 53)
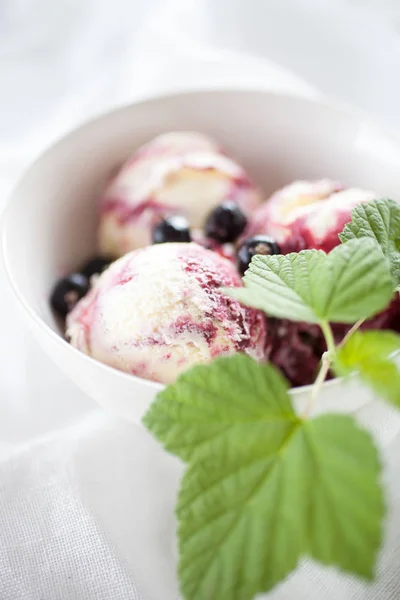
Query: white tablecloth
point(86, 501)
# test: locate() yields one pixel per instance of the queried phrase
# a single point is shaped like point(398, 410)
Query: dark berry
point(67, 292)
point(225, 223)
point(259, 244)
point(95, 266)
point(172, 229)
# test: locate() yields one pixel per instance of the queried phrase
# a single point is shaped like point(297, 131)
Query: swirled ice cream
point(176, 173)
point(310, 215)
point(307, 214)
point(158, 311)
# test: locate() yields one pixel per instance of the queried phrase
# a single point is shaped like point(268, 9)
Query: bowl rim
point(340, 108)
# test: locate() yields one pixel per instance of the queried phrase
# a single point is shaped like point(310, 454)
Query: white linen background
point(86, 501)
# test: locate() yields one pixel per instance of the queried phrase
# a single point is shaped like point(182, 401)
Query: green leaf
point(283, 286)
point(232, 398)
point(368, 353)
point(263, 487)
point(247, 514)
point(350, 283)
point(379, 220)
point(356, 284)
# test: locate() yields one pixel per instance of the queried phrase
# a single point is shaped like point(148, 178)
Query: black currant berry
point(172, 229)
point(67, 292)
point(225, 223)
point(259, 244)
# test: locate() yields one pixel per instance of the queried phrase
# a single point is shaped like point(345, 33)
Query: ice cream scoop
point(307, 214)
point(158, 310)
point(176, 173)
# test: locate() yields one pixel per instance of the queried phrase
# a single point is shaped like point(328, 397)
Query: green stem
point(328, 334)
point(323, 372)
point(327, 359)
point(350, 332)
point(325, 366)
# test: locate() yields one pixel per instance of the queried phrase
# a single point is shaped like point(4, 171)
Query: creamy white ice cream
point(176, 173)
point(158, 310)
point(307, 214)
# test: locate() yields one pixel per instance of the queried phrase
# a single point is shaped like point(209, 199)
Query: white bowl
point(50, 223)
